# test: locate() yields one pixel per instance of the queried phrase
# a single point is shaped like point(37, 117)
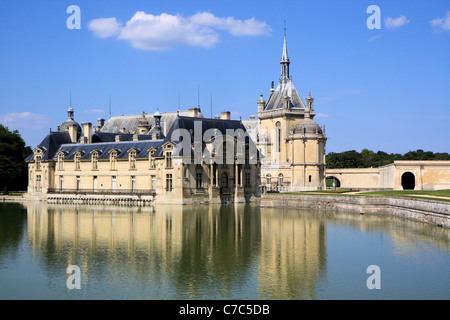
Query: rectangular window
point(247, 180)
point(38, 162)
point(168, 159)
point(78, 183)
point(94, 184)
point(60, 161)
point(94, 162)
point(168, 182)
point(38, 183)
point(77, 161)
point(113, 183)
point(199, 180)
point(61, 183)
point(113, 161)
point(132, 160)
point(153, 182)
point(152, 163)
point(133, 183)
point(309, 178)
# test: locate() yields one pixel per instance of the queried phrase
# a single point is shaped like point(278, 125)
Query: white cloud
point(378, 36)
point(105, 27)
point(93, 111)
point(24, 120)
point(249, 27)
point(163, 32)
point(392, 23)
point(442, 23)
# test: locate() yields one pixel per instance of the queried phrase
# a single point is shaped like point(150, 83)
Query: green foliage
point(367, 158)
point(13, 168)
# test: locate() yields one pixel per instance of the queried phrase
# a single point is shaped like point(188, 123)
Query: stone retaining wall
point(429, 211)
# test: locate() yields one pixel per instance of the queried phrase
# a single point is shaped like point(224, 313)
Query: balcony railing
point(144, 192)
point(225, 190)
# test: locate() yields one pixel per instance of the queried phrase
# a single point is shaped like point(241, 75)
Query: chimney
point(252, 117)
point(87, 131)
point(118, 138)
point(135, 137)
point(73, 133)
point(226, 115)
point(193, 112)
point(100, 123)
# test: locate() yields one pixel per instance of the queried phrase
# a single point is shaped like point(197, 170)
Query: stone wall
point(429, 211)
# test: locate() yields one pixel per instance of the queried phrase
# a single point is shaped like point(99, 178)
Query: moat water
point(217, 252)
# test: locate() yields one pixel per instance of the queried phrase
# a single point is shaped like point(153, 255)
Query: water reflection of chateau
point(214, 251)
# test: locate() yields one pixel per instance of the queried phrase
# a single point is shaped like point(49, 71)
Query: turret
point(261, 103)
point(143, 125)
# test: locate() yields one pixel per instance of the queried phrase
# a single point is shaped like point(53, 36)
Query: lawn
point(439, 195)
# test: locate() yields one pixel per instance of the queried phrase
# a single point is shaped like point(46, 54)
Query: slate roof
point(131, 122)
point(51, 144)
point(104, 142)
point(99, 137)
point(222, 125)
point(285, 87)
point(121, 147)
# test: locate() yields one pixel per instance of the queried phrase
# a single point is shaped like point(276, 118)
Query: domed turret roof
point(69, 122)
point(307, 125)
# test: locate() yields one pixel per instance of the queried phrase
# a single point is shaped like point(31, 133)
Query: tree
point(368, 158)
point(13, 168)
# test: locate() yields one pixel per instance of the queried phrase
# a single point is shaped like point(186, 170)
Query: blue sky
point(382, 89)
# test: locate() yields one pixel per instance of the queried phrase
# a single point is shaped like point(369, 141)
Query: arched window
point(280, 179)
point(224, 180)
point(278, 138)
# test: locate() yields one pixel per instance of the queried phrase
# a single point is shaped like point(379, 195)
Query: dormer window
point(38, 162)
point(61, 161)
point(152, 160)
point(132, 159)
point(168, 159)
point(77, 161)
point(113, 160)
point(94, 159)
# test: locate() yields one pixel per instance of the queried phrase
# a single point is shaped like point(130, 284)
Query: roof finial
point(285, 58)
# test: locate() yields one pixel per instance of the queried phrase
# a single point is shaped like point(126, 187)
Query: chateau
point(182, 157)
point(132, 159)
point(292, 143)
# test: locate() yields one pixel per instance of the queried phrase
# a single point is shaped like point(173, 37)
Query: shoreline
point(423, 210)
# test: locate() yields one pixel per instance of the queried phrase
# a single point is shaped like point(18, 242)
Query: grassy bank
point(438, 195)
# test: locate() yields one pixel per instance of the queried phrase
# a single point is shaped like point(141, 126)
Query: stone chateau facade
point(141, 158)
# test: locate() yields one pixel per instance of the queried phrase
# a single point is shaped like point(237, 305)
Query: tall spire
point(285, 58)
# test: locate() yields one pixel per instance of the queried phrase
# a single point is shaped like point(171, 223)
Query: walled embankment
point(429, 211)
